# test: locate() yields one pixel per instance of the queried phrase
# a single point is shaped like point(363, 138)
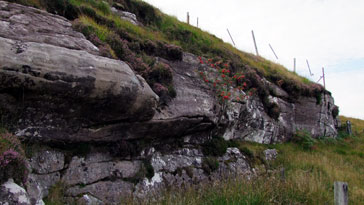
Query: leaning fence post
point(341, 191)
point(273, 51)
point(230, 36)
point(255, 43)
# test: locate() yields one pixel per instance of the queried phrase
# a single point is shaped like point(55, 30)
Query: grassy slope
point(310, 175)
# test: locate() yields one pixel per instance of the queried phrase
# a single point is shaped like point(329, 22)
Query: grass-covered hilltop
point(114, 102)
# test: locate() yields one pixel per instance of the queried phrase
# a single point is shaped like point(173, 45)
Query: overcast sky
point(329, 33)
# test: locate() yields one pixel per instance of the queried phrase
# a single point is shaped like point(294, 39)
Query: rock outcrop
point(56, 91)
point(11, 193)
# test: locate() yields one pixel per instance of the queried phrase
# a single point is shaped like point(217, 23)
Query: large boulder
point(58, 90)
point(11, 193)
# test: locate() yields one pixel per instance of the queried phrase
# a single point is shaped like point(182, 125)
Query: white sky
point(329, 33)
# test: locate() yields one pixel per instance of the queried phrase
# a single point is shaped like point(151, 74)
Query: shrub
point(146, 13)
point(149, 169)
point(274, 111)
point(160, 78)
point(335, 111)
point(160, 73)
point(61, 7)
point(12, 159)
point(304, 139)
point(215, 147)
point(210, 164)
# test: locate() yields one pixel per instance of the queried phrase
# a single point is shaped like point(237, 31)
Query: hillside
point(110, 101)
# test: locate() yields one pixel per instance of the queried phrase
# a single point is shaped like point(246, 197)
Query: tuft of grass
point(90, 26)
point(210, 164)
point(56, 194)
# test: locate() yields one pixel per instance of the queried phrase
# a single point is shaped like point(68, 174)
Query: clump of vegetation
point(210, 164)
point(12, 159)
point(56, 194)
point(335, 111)
point(149, 170)
point(304, 139)
point(217, 146)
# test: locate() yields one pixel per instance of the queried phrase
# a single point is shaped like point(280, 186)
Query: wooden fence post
point(323, 76)
point(294, 65)
point(230, 36)
point(188, 17)
point(273, 51)
point(309, 69)
point(255, 43)
point(341, 191)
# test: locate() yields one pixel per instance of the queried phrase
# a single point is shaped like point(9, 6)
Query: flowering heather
point(12, 159)
point(7, 157)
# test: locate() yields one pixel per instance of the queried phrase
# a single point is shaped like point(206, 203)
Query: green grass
point(56, 194)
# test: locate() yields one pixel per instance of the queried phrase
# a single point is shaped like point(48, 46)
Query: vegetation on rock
point(12, 159)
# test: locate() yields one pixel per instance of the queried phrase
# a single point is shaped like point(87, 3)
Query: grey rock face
point(270, 154)
point(61, 82)
point(111, 192)
point(126, 16)
point(233, 163)
point(84, 172)
point(70, 77)
point(89, 200)
point(11, 193)
point(25, 24)
point(38, 185)
point(252, 123)
point(47, 161)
